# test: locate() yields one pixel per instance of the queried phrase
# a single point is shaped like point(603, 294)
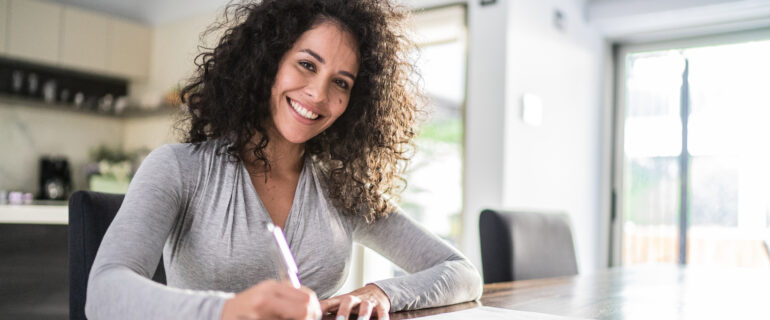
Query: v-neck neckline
point(295, 203)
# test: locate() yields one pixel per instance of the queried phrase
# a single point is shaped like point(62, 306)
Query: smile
point(305, 113)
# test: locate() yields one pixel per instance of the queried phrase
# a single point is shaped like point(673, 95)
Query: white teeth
point(305, 113)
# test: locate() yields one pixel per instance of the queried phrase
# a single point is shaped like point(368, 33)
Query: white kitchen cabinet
point(129, 46)
point(46, 32)
point(3, 25)
point(34, 30)
point(84, 40)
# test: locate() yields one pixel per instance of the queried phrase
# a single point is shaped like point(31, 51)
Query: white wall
point(514, 49)
point(484, 118)
point(174, 47)
point(27, 133)
point(148, 133)
point(556, 165)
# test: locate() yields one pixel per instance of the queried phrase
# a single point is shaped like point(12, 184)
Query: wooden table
point(659, 292)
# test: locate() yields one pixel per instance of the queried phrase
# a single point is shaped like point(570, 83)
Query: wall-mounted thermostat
point(532, 109)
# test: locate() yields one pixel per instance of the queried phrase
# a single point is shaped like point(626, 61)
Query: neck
point(285, 158)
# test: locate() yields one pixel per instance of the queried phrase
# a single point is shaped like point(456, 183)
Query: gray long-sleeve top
point(199, 209)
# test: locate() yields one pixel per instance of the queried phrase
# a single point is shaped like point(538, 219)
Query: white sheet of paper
point(492, 313)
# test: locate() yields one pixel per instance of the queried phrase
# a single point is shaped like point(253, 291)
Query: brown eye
point(307, 65)
point(342, 84)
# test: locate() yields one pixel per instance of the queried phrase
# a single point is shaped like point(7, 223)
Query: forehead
point(334, 44)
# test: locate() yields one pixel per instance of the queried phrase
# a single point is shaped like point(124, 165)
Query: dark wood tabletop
point(645, 292)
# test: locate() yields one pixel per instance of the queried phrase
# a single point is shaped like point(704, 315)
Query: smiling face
point(313, 83)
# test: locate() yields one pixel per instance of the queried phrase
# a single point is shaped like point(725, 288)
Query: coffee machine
point(55, 178)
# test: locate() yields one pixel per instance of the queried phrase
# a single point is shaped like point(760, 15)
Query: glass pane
point(434, 191)
point(652, 144)
point(729, 176)
point(730, 154)
point(651, 210)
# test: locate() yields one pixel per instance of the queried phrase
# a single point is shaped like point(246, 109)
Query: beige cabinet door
point(84, 40)
point(129, 49)
point(33, 30)
point(3, 25)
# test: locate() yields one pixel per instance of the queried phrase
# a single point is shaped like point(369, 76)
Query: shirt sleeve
point(438, 273)
point(119, 285)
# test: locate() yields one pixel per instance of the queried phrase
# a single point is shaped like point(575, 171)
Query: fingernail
point(361, 318)
point(340, 318)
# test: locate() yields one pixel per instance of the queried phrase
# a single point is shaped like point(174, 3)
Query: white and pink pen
point(289, 269)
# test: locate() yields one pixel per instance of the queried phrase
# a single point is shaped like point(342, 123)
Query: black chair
point(90, 213)
point(525, 245)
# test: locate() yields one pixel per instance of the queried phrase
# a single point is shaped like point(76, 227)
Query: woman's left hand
point(364, 301)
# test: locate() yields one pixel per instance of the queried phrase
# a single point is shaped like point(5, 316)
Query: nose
point(316, 90)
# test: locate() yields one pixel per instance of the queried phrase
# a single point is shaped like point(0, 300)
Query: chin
point(298, 138)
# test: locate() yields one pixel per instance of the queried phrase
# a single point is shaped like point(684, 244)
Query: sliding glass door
point(695, 155)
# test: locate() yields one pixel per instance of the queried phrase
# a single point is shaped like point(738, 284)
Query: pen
point(290, 267)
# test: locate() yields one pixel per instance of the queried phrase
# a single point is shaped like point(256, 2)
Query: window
point(696, 188)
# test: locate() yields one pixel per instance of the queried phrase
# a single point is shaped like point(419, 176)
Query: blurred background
point(643, 120)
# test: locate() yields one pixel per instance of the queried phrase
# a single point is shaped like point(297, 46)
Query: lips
point(302, 111)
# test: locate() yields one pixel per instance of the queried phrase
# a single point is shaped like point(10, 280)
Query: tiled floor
point(33, 272)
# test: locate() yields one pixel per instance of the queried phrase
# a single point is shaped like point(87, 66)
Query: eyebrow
point(322, 61)
point(315, 55)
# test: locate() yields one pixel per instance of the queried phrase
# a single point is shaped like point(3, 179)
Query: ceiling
point(655, 20)
point(615, 19)
point(158, 12)
point(151, 12)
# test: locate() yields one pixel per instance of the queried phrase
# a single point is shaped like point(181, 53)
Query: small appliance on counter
point(55, 178)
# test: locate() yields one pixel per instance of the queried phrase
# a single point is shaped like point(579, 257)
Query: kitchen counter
point(35, 214)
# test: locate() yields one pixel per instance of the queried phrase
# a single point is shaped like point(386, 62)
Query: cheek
point(285, 79)
point(340, 105)
point(275, 91)
point(279, 84)
point(274, 94)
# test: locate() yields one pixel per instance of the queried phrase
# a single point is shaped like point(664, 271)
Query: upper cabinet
point(3, 25)
point(84, 40)
point(54, 34)
point(129, 49)
point(33, 30)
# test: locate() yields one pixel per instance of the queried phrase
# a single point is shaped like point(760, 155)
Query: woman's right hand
point(271, 299)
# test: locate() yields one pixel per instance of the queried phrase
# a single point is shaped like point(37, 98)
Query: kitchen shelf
point(129, 112)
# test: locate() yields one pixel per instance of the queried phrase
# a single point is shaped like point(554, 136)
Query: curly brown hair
point(364, 153)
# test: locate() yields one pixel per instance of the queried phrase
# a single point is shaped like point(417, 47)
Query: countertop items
point(48, 213)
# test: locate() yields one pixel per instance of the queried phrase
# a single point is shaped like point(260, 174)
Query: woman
point(300, 116)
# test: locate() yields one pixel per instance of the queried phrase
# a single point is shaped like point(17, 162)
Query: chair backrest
point(90, 213)
point(525, 245)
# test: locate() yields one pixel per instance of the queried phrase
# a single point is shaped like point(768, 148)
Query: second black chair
point(525, 245)
point(90, 214)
